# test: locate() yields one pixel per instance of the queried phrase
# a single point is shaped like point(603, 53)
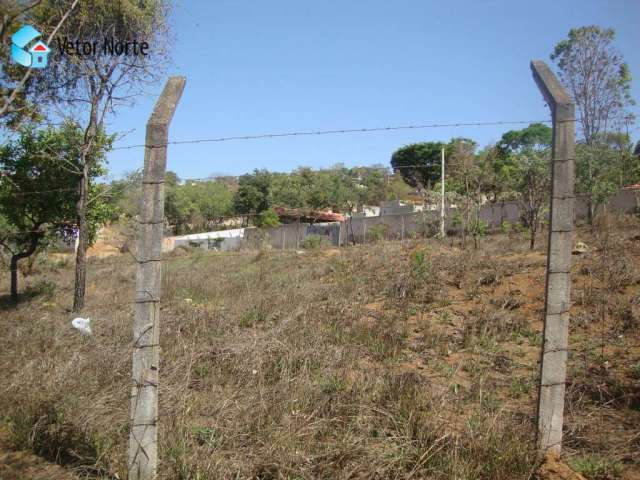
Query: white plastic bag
point(83, 325)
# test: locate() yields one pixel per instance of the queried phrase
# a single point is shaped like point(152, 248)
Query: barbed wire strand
point(337, 132)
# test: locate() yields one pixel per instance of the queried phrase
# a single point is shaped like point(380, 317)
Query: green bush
point(268, 218)
point(595, 467)
point(314, 242)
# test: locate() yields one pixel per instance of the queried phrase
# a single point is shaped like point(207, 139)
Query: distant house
point(366, 211)
point(221, 240)
point(292, 215)
point(39, 54)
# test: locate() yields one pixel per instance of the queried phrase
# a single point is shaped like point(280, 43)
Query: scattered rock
point(488, 279)
point(553, 468)
point(580, 248)
point(502, 363)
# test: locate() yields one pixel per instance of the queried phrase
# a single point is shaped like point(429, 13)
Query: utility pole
point(143, 435)
point(442, 230)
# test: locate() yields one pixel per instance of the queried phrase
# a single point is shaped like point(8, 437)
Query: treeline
point(194, 205)
point(516, 168)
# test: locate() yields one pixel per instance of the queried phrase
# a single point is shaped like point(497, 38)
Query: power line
point(334, 132)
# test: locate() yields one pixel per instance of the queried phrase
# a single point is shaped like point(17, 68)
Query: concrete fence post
point(553, 364)
point(364, 230)
point(143, 437)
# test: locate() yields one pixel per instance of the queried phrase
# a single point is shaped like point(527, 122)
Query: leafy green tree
point(498, 171)
point(202, 204)
point(213, 200)
point(325, 189)
point(419, 164)
point(397, 189)
point(625, 165)
point(178, 207)
point(268, 219)
point(537, 136)
point(38, 193)
point(595, 173)
point(467, 178)
point(288, 190)
point(126, 195)
point(254, 193)
point(532, 182)
point(523, 166)
point(374, 187)
point(604, 167)
point(338, 188)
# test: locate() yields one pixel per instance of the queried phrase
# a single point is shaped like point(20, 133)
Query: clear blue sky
point(257, 67)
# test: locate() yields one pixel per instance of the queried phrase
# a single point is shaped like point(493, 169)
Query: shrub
point(313, 242)
point(267, 219)
point(378, 232)
point(596, 468)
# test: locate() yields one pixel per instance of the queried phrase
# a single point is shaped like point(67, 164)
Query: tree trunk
point(81, 209)
point(14, 278)
point(81, 253)
point(532, 240)
point(14, 266)
point(533, 226)
point(590, 210)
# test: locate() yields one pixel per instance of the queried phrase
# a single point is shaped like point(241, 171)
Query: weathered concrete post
point(143, 438)
point(553, 363)
point(443, 232)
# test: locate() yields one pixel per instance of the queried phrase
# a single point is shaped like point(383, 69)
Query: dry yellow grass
point(387, 361)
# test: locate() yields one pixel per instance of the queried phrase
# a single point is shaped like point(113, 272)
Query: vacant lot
point(386, 361)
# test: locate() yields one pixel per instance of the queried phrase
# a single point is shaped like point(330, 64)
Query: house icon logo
point(28, 49)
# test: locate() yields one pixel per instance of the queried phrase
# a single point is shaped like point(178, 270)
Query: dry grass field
point(413, 360)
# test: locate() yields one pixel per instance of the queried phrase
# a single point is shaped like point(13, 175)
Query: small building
point(293, 215)
point(366, 211)
point(220, 240)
